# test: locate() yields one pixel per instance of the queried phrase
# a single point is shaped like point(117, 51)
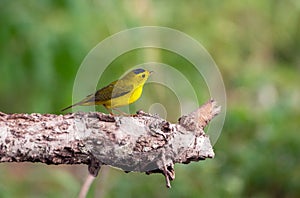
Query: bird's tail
point(89, 100)
point(71, 106)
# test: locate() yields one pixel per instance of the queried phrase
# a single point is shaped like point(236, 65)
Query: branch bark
point(142, 143)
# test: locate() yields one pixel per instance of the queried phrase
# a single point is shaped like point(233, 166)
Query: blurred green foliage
point(256, 45)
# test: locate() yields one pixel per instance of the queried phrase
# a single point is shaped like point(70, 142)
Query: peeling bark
point(142, 143)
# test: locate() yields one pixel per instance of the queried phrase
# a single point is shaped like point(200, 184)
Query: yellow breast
point(136, 94)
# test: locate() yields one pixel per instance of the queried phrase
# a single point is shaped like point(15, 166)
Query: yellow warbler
point(118, 93)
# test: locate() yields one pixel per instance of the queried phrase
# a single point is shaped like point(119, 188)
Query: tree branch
point(143, 143)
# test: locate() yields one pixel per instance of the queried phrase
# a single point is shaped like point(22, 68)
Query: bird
point(118, 93)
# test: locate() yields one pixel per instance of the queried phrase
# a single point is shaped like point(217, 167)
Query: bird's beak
point(151, 72)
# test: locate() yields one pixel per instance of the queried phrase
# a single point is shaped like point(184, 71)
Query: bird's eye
point(143, 76)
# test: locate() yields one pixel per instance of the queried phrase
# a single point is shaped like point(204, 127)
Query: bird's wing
point(113, 90)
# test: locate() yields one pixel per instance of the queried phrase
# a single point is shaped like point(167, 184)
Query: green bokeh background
point(256, 45)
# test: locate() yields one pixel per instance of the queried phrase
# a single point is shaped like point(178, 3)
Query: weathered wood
point(142, 143)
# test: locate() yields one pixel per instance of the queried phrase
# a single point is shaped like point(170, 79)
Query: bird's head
point(138, 76)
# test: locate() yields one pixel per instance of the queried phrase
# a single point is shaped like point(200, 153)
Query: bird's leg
point(121, 112)
point(126, 114)
point(108, 109)
point(111, 112)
